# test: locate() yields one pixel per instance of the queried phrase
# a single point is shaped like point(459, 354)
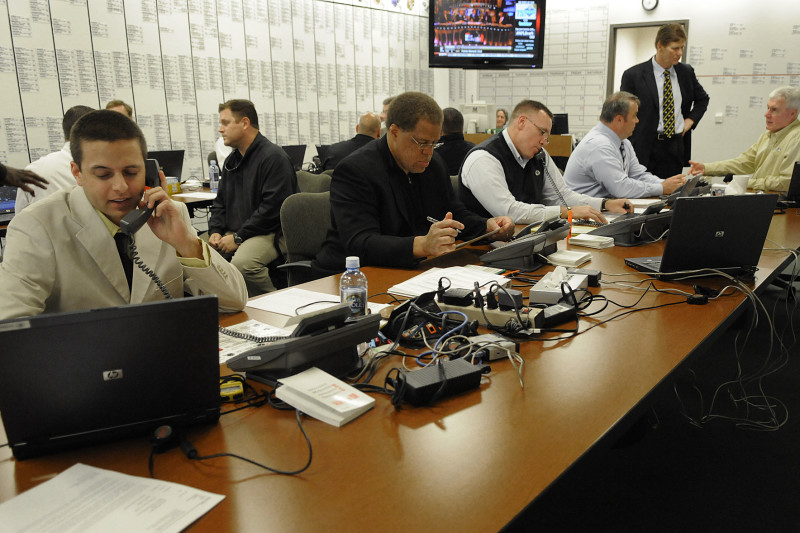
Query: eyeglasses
point(422, 146)
point(542, 131)
point(230, 165)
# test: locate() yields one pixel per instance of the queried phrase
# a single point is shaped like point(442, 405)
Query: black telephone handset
point(547, 225)
point(133, 221)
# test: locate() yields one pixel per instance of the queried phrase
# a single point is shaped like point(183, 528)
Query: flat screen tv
point(500, 34)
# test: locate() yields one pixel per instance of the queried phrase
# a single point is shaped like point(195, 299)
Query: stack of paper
point(326, 398)
point(460, 277)
point(592, 241)
point(567, 258)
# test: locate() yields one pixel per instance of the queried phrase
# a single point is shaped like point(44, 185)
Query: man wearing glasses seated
point(510, 174)
point(383, 195)
point(256, 178)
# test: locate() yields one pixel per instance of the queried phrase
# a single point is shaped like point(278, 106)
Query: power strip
point(495, 316)
point(495, 346)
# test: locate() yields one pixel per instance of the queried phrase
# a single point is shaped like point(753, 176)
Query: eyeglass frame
point(543, 132)
point(423, 146)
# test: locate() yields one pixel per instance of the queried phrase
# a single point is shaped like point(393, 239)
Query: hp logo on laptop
point(112, 375)
point(719, 234)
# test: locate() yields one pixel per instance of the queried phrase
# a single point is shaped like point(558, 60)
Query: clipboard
point(484, 236)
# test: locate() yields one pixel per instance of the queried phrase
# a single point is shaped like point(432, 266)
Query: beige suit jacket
point(60, 257)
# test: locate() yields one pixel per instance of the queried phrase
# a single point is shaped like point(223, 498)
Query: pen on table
point(434, 221)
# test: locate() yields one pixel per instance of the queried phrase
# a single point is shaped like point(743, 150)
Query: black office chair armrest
point(297, 264)
point(300, 272)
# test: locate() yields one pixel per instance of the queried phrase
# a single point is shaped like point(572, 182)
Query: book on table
point(324, 397)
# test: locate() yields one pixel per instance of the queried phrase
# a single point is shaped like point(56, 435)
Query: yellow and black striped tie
point(669, 107)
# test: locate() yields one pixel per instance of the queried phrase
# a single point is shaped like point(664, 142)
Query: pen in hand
point(434, 221)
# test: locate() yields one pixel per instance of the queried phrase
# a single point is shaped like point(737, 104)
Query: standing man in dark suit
point(671, 106)
point(368, 129)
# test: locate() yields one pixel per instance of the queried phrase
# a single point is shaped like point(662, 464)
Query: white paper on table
point(295, 301)
point(460, 277)
point(88, 499)
point(642, 202)
point(199, 195)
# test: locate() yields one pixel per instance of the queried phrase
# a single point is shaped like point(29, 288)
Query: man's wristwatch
point(238, 240)
point(603, 204)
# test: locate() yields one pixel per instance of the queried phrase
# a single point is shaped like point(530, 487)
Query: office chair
point(454, 183)
point(212, 156)
point(329, 172)
point(310, 182)
point(305, 219)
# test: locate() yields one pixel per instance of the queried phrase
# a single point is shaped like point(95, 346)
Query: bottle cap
point(352, 262)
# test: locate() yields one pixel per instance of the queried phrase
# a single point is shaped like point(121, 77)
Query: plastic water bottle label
point(356, 298)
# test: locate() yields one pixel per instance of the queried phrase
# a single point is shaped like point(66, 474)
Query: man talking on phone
point(67, 253)
point(511, 174)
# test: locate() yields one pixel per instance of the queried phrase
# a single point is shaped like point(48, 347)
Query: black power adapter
point(554, 315)
point(426, 386)
point(593, 276)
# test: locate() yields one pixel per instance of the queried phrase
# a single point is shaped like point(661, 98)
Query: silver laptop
point(713, 232)
point(77, 378)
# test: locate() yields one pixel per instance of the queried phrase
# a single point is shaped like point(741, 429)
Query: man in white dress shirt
point(604, 163)
point(54, 167)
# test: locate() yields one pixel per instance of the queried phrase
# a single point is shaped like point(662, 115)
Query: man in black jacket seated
point(256, 178)
point(367, 130)
point(382, 194)
point(454, 147)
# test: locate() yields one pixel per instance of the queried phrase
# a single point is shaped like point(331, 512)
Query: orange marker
point(569, 219)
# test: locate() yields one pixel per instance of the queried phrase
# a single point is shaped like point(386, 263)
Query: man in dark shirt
point(454, 148)
point(256, 178)
point(383, 194)
point(368, 129)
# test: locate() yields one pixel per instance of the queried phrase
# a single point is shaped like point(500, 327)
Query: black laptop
point(170, 161)
point(713, 232)
point(296, 153)
point(77, 378)
point(8, 196)
point(792, 196)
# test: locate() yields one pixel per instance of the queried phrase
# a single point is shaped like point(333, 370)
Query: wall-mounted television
point(497, 34)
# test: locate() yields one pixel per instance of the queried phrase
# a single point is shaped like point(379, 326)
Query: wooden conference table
point(470, 463)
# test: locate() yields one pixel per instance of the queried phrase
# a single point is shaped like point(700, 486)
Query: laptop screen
point(717, 231)
point(8, 195)
point(296, 153)
point(170, 161)
point(794, 185)
point(88, 376)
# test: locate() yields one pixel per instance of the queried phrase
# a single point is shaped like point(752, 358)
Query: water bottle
point(213, 176)
point(353, 287)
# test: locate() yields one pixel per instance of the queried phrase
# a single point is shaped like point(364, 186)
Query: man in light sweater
point(771, 159)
